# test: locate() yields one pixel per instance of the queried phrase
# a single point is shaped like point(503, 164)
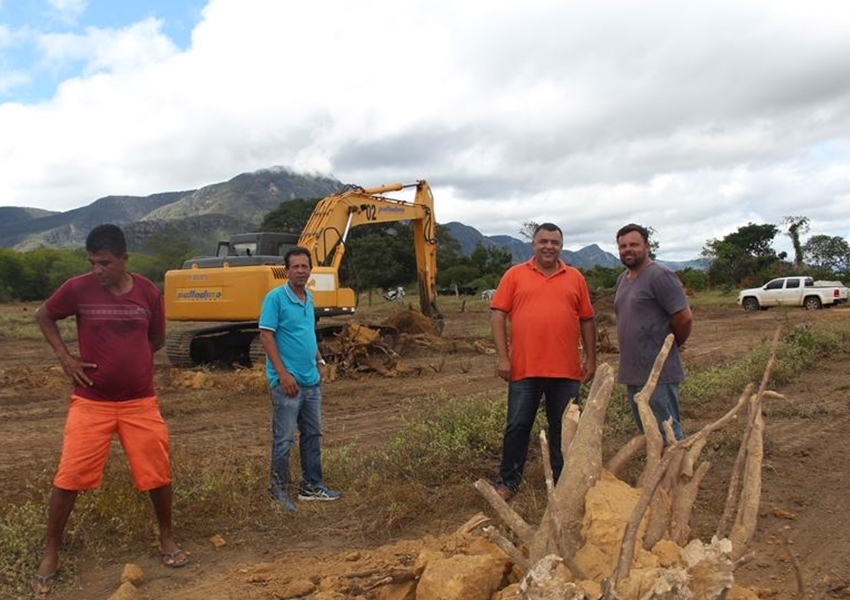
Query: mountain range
point(216, 211)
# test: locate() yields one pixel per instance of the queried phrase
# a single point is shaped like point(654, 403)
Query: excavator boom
point(333, 218)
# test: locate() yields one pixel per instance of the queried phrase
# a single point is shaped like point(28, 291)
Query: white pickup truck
point(794, 291)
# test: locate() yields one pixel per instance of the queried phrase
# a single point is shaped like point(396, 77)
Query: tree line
point(382, 256)
point(746, 257)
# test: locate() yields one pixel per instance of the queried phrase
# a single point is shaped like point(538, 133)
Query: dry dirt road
point(806, 494)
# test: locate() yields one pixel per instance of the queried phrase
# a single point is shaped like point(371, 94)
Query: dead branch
point(627, 550)
point(661, 505)
point(746, 516)
point(732, 494)
point(473, 523)
point(553, 509)
point(659, 515)
point(582, 466)
point(569, 425)
point(626, 454)
point(508, 548)
point(667, 426)
point(691, 457)
point(673, 475)
point(515, 522)
point(400, 577)
point(683, 506)
point(654, 441)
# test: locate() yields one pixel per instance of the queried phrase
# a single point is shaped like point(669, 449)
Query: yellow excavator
point(228, 289)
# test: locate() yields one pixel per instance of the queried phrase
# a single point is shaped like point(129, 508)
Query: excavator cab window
point(223, 250)
point(245, 249)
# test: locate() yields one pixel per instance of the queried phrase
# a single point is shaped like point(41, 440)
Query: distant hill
point(520, 250)
point(13, 215)
point(216, 211)
point(205, 215)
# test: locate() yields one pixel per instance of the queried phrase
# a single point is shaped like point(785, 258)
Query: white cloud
point(692, 118)
point(67, 10)
point(125, 50)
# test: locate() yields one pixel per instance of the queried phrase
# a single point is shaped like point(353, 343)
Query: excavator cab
point(244, 249)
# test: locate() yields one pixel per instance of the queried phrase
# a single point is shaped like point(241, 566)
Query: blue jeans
point(304, 412)
point(664, 403)
point(523, 401)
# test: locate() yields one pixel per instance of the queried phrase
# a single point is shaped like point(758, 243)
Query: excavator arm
point(329, 225)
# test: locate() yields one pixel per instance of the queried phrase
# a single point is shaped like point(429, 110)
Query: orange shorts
point(89, 430)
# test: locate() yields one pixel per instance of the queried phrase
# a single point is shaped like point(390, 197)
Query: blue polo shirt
point(294, 325)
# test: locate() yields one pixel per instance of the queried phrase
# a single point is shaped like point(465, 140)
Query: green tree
point(480, 270)
point(599, 277)
point(378, 259)
point(11, 270)
point(745, 254)
point(695, 279)
point(35, 274)
point(828, 253)
point(797, 226)
point(527, 229)
point(162, 252)
point(654, 244)
point(448, 249)
point(290, 217)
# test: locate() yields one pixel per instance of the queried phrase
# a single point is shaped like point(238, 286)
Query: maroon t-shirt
point(114, 333)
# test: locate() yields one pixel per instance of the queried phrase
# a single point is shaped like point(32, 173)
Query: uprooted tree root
point(358, 350)
point(601, 538)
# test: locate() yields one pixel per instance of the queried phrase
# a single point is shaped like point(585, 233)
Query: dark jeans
point(523, 401)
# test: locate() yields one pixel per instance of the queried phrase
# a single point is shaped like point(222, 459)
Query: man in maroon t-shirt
point(120, 324)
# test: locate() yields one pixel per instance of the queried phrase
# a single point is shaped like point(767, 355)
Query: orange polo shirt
point(544, 314)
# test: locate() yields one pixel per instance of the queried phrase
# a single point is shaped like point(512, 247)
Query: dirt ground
point(805, 498)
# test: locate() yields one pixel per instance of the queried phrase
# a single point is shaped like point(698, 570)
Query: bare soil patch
point(804, 500)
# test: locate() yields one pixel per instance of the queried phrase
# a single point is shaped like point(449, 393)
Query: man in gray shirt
point(650, 304)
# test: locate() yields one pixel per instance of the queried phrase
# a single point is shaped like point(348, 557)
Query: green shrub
point(799, 349)
point(447, 444)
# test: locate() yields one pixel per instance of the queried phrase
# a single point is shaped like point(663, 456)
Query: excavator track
point(223, 345)
point(178, 349)
point(256, 353)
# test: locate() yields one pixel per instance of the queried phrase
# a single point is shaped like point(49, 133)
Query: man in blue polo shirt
point(294, 368)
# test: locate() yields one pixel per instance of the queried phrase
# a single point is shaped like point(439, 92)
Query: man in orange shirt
point(548, 305)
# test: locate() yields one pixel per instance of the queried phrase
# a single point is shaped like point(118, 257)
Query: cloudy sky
point(694, 118)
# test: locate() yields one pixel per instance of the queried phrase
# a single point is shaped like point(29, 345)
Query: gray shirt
point(643, 308)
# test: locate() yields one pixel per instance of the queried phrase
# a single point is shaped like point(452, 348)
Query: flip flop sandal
point(41, 585)
point(174, 560)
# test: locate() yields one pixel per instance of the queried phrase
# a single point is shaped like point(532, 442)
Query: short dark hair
point(643, 231)
point(298, 251)
point(548, 227)
point(107, 237)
